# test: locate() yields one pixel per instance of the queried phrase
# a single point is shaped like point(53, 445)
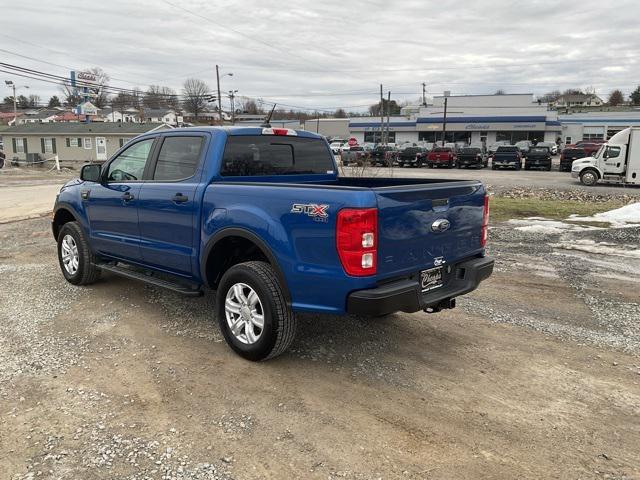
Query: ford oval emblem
point(440, 225)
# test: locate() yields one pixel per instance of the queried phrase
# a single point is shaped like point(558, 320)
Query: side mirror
point(90, 173)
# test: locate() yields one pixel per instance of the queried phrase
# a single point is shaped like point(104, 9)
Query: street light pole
point(444, 119)
point(232, 96)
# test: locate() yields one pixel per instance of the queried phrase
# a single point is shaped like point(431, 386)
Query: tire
point(527, 167)
point(589, 177)
point(278, 320)
point(494, 167)
point(430, 165)
point(73, 245)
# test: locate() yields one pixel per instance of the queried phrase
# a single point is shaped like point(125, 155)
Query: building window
point(74, 142)
point(567, 140)
point(48, 145)
point(87, 143)
point(20, 145)
point(590, 137)
point(123, 142)
point(430, 137)
point(374, 137)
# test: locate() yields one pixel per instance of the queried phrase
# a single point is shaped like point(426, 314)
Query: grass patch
point(506, 208)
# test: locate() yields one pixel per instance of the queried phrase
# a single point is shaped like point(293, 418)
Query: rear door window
point(260, 155)
point(178, 158)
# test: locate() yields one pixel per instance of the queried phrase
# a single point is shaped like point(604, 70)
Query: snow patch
point(619, 217)
point(600, 248)
point(543, 225)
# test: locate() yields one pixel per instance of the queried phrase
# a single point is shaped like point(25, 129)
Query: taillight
point(485, 222)
point(279, 131)
point(357, 240)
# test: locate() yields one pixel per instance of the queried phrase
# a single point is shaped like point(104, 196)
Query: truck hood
point(584, 161)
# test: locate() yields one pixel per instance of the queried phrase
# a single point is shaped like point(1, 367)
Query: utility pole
point(232, 96)
point(424, 94)
point(444, 119)
point(219, 96)
point(381, 115)
point(388, 115)
point(15, 105)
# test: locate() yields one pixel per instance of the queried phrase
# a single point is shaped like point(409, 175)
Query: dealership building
point(470, 118)
point(596, 125)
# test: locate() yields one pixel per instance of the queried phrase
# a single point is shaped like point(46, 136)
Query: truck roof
point(240, 130)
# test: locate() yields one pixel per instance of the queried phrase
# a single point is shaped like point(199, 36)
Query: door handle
point(127, 197)
point(180, 198)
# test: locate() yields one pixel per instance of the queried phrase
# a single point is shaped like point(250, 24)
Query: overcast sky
point(328, 54)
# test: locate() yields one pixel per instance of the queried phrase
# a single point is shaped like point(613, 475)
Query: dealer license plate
point(431, 279)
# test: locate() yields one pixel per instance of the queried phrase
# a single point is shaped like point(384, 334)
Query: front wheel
point(252, 311)
point(75, 256)
point(589, 178)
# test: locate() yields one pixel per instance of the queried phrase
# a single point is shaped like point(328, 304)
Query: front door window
point(129, 165)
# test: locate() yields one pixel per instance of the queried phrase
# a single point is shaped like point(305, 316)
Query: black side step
point(150, 279)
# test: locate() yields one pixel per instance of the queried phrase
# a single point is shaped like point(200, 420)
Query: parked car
point(552, 146)
point(230, 210)
point(335, 147)
point(589, 147)
point(472, 157)
point(507, 156)
point(383, 156)
point(538, 157)
point(568, 155)
point(524, 146)
point(442, 156)
point(494, 146)
point(354, 156)
point(412, 156)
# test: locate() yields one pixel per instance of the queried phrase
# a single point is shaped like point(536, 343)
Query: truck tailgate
point(408, 239)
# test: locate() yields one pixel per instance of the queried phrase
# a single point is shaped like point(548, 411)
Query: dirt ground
point(535, 375)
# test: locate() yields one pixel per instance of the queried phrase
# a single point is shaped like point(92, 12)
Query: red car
point(442, 156)
point(589, 147)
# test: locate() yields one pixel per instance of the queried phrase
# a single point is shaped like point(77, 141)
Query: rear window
point(441, 149)
point(539, 150)
point(574, 151)
point(471, 150)
point(507, 149)
point(256, 155)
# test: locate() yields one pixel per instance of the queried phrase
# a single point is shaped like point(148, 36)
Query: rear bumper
point(406, 295)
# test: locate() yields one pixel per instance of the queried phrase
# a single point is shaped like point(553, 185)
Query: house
point(6, 118)
point(126, 115)
point(160, 115)
point(71, 141)
point(578, 100)
point(39, 116)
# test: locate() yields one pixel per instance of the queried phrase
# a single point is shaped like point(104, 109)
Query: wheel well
point(61, 217)
point(230, 251)
point(591, 169)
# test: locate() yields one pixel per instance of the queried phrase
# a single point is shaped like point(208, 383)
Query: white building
point(596, 125)
point(469, 118)
point(578, 100)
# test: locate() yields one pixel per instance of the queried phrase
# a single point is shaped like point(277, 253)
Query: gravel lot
point(535, 375)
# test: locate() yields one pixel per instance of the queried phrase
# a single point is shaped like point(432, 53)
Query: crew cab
point(383, 156)
point(442, 156)
point(538, 157)
point(507, 156)
point(260, 216)
point(568, 155)
point(472, 157)
point(412, 156)
point(355, 155)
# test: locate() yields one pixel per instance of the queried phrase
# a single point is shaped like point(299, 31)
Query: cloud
point(333, 53)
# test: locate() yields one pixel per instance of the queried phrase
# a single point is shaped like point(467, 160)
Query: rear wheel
point(252, 312)
point(589, 178)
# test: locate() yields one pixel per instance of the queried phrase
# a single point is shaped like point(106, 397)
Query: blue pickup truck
point(260, 216)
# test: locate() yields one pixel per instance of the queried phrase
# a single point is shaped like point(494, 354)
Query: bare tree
point(340, 113)
point(196, 94)
point(99, 94)
point(161, 97)
point(616, 97)
point(250, 107)
point(54, 101)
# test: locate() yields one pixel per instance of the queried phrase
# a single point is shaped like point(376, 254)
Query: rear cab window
point(264, 155)
point(178, 158)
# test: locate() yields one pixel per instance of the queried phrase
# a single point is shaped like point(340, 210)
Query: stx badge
point(313, 210)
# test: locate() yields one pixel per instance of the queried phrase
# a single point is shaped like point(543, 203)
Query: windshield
point(255, 155)
point(599, 152)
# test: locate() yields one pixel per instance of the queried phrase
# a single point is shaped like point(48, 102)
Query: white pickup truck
point(617, 161)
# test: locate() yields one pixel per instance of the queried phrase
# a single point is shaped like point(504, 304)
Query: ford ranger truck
point(260, 216)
